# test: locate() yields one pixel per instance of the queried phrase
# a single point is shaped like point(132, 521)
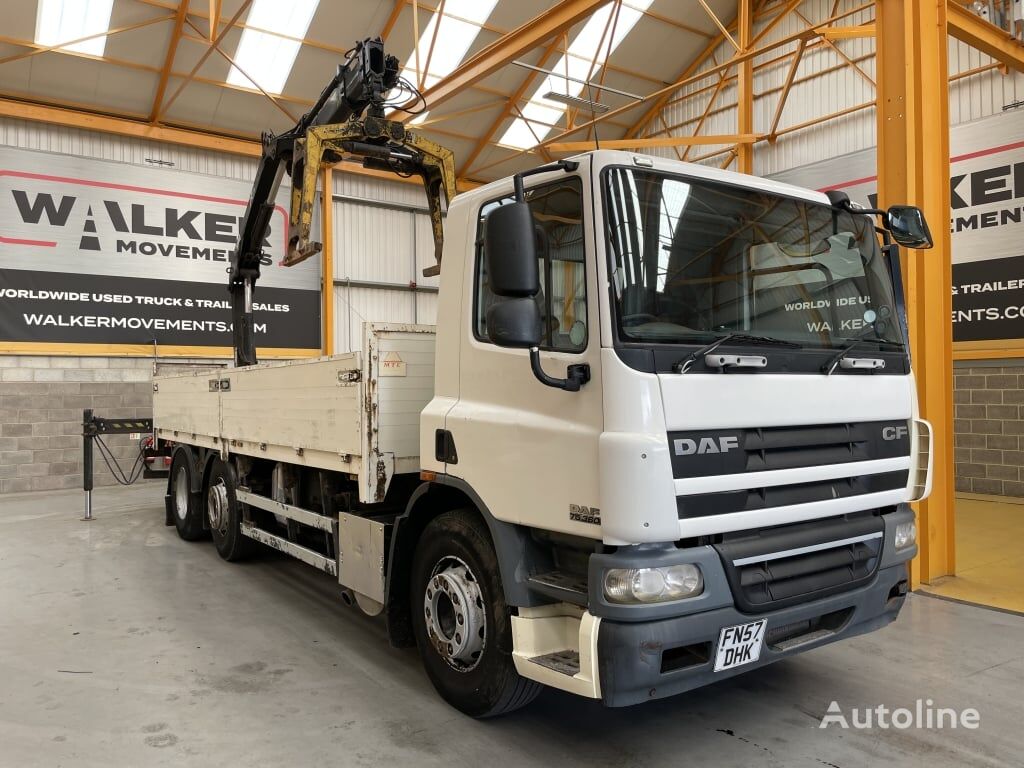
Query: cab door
point(530, 451)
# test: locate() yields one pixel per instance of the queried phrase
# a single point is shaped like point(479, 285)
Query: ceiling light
point(265, 57)
point(541, 113)
point(576, 101)
point(61, 21)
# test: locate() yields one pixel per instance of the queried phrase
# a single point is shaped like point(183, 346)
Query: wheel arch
point(511, 543)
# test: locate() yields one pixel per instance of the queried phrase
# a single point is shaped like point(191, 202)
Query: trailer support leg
point(88, 435)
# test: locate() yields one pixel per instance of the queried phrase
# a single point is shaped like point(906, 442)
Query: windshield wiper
point(745, 338)
point(833, 362)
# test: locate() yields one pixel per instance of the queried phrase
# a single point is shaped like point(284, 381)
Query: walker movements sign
point(94, 252)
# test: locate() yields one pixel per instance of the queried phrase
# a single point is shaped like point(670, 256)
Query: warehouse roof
point(236, 68)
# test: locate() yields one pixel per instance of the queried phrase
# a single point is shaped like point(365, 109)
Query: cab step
point(565, 662)
point(569, 587)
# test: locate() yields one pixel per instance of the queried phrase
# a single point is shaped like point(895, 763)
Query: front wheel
point(462, 625)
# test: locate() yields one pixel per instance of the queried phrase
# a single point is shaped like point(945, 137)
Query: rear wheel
point(224, 514)
point(462, 625)
point(188, 516)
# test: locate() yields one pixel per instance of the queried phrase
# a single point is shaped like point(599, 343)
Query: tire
point(455, 561)
point(224, 514)
point(188, 515)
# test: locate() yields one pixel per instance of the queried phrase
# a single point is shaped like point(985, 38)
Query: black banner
point(97, 309)
point(988, 299)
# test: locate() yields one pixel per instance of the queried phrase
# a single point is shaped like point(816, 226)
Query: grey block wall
point(41, 404)
point(988, 428)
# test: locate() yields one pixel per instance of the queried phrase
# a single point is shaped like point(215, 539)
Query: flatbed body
point(355, 413)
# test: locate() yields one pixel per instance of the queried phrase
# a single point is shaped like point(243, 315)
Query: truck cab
point(683, 402)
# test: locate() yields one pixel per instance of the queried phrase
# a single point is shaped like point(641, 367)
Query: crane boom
point(346, 121)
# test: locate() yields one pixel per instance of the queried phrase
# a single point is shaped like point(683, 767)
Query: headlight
point(906, 535)
point(652, 585)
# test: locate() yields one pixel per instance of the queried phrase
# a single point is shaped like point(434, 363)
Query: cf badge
point(894, 433)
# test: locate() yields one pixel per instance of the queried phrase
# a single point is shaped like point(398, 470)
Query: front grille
point(724, 502)
point(792, 564)
point(731, 451)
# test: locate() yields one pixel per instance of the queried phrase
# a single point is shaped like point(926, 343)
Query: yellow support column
point(745, 88)
point(913, 167)
point(327, 267)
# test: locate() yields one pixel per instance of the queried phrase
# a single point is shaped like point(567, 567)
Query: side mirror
point(514, 323)
point(907, 225)
point(511, 251)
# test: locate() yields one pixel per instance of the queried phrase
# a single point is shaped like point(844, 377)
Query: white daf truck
point(665, 431)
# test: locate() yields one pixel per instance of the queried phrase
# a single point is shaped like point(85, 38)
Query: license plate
point(739, 645)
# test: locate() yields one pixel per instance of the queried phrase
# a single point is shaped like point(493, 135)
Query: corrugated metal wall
point(827, 82)
point(103, 146)
point(382, 242)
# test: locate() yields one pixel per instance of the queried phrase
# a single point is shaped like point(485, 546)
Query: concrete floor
point(122, 645)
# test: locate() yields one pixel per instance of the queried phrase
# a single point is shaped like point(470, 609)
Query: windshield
point(694, 259)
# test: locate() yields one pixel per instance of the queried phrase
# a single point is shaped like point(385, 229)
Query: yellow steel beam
point(704, 115)
point(202, 59)
point(513, 100)
point(659, 98)
point(847, 33)
point(745, 88)
point(913, 167)
point(214, 18)
point(172, 49)
point(275, 101)
point(661, 141)
point(786, 87)
point(327, 267)
point(396, 11)
point(558, 17)
point(987, 38)
point(721, 27)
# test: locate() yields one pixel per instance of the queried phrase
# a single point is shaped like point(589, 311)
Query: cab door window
point(558, 218)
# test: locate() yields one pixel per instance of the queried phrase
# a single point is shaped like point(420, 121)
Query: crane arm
point(333, 130)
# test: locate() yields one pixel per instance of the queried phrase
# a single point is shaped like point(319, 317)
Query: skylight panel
point(460, 24)
point(268, 58)
point(61, 21)
point(541, 114)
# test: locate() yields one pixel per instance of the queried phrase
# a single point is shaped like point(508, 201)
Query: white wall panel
point(403, 193)
point(382, 234)
point(373, 243)
point(354, 306)
point(103, 146)
point(426, 308)
point(425, 250)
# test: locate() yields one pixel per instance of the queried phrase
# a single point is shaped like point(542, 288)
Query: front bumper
point(653, 651)
point(642, 661)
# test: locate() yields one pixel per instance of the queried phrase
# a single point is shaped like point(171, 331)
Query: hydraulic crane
point(347, 121)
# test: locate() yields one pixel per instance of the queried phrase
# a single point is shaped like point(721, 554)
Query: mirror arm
point(576, 375)
point(562, 165)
